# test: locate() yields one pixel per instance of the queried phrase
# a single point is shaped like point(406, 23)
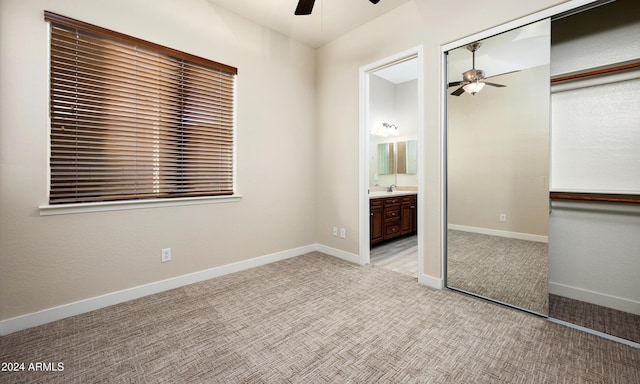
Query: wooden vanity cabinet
point(376, 233)
point(392, 217)
point(392, 212)
point(408, 215)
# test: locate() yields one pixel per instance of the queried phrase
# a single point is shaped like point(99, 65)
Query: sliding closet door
point(498, 167)
point(594, 249)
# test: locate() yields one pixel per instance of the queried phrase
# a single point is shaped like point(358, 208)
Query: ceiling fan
point(473, 80)
point(306, 6)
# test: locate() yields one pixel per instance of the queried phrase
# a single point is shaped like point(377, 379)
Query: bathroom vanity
point(393, 214)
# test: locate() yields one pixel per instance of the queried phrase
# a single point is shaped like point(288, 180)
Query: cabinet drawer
point(376, 203)
point(391, 201)
point(391, 230)
point(391, 213)
point(408, 199)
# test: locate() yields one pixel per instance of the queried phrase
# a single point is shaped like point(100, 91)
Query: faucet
point(390, 189)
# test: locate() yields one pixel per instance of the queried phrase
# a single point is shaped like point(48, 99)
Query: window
point(134, 120)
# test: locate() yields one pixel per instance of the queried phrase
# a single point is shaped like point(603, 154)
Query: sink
point(376, 194)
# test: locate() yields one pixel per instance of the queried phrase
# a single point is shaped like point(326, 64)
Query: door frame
point(364, 121)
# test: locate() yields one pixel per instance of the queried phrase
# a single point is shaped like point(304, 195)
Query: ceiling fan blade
point(458, 91)
point(304, 7)
point(455, 83)
point(500, 74)
point(494, 84)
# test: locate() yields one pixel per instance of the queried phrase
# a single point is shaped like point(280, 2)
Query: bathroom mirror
point(406, 157)
point(497, 168)
point(386, 158)
point(394, 163)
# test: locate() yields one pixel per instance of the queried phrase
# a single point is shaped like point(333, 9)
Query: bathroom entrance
point(391, 149)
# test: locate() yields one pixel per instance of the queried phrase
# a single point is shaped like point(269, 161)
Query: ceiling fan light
point(474, 88)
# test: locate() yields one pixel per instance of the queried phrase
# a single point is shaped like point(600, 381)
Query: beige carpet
point(509, 271)
point(315, 319)
point(602, 319)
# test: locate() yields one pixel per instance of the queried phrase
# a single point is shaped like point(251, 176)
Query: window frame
point(136, 203)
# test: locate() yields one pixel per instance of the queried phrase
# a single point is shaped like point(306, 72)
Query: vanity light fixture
point(385, 129)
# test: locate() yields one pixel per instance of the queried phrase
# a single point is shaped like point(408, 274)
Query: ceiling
point(515, 50)
point(329, 20)
point(399, 73)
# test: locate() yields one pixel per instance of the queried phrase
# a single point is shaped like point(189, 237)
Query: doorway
point(391, 153)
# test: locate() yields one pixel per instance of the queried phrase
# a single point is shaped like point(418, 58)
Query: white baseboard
point(83, 306)
point(430, 281)
point(598, 298)
point(347, 256)
point(497, 232)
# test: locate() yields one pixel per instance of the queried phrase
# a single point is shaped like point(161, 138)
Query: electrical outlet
point(335, 231)
point(343, 233)
point(503, 217)
point(166, 255)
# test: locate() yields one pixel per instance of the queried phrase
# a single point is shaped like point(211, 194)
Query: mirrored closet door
point(497, 143)
point(594, 251)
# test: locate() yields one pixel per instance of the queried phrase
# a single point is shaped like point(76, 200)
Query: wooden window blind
point(132, 119)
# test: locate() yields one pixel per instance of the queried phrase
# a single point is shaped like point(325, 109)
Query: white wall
point(596, 140)
point(594, 248)
point(594, 254)
point(396, 104)
point(55, 260)
point(407, 111)
point(604, 35)
point(382, 102)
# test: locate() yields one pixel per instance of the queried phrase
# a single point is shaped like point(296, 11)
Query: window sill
point(65, 209)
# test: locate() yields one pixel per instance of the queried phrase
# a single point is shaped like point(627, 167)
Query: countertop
point(381, 194)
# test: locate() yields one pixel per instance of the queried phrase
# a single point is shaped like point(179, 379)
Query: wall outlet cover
point(166, 255)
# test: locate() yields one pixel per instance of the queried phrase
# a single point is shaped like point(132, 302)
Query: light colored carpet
point(509, 271)
point(315, 319)
point(602, 319)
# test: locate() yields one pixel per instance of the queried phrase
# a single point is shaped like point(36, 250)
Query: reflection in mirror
point(497, 168)
point(401, 147)
point(386, 159)
point(406, 157)
point(395, 163)
point(393, 100)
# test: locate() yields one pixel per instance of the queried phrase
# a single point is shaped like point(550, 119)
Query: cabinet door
point(376, 233)
point(414, 214)
point(406, 218)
